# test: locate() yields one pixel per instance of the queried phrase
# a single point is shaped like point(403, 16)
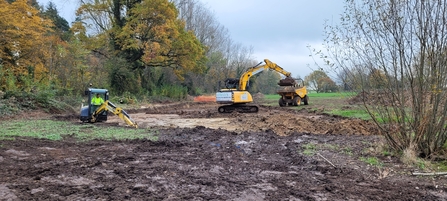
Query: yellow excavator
point(235, 94)
point(91, 113)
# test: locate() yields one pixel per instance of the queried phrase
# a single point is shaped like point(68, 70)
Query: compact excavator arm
point(243, 81)
point(109, 106)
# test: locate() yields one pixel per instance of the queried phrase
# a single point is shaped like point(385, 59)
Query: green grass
point(372, 161)
point(331, 95)
point(56, 130)
point(309, 149)
point(441, 166)
point(331, 147)
point(271, 97)
point(352, 113)
point(347, 151)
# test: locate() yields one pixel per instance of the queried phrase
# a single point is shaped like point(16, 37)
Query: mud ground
point(276, 154)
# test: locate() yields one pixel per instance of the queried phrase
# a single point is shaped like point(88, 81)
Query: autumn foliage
point(23, 38)
point(148, 36)
point(144, 47)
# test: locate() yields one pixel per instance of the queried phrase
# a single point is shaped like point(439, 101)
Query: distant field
point(331, 103)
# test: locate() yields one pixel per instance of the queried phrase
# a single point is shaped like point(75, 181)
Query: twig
point(429, 174)
point(326, 160)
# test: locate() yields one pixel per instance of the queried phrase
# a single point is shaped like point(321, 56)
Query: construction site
point(278, 153)
point(156, 100)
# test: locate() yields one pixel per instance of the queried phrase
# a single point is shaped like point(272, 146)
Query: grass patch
point(386, 153)
point(441, 166)
point(332, 95)
point(372, 161)
point(331, 147)
point(271, 99)
point(352, 113)
point(56, 130)
point(347, 151)
point(309, 149)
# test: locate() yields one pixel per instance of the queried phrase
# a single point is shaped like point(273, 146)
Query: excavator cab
point(231, 83)
point(88, 110)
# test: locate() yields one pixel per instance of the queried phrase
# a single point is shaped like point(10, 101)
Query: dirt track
point(204, 155)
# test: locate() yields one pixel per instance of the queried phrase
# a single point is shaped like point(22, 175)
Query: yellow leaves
point(23, 36)
point(40, 70)
point(150, 22)
point(145, 33)
point(151, 51)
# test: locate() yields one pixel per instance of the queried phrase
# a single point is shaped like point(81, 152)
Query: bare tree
point(401, 47)
point(226, 58)
point(203, 23)
point(97, 20)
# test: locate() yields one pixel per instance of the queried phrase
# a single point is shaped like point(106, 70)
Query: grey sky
point(279, 30)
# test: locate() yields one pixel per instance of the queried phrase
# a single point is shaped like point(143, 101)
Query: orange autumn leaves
point(22, 39)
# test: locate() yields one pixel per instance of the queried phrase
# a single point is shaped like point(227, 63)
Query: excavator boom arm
point(109, 106)
point(257, 69)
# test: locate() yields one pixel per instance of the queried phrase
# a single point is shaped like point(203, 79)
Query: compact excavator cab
point(87, 111)
point(97, 113)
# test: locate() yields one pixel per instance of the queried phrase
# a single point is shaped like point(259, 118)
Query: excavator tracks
point(238, 108)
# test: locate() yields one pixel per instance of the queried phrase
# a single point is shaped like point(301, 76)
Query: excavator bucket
point(288, 81)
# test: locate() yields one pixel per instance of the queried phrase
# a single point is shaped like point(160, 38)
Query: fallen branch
point(429, 174)
point(326, 160)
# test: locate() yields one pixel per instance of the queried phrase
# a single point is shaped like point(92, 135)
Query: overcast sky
point(278, 30)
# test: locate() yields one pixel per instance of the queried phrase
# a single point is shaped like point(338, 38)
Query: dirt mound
point(369, 98)
point(378, 98)
point(288, 81)
point(258, 98)
point(281, 121)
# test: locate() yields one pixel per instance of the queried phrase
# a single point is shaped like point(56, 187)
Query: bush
point(14, 102)
point(171, 91)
